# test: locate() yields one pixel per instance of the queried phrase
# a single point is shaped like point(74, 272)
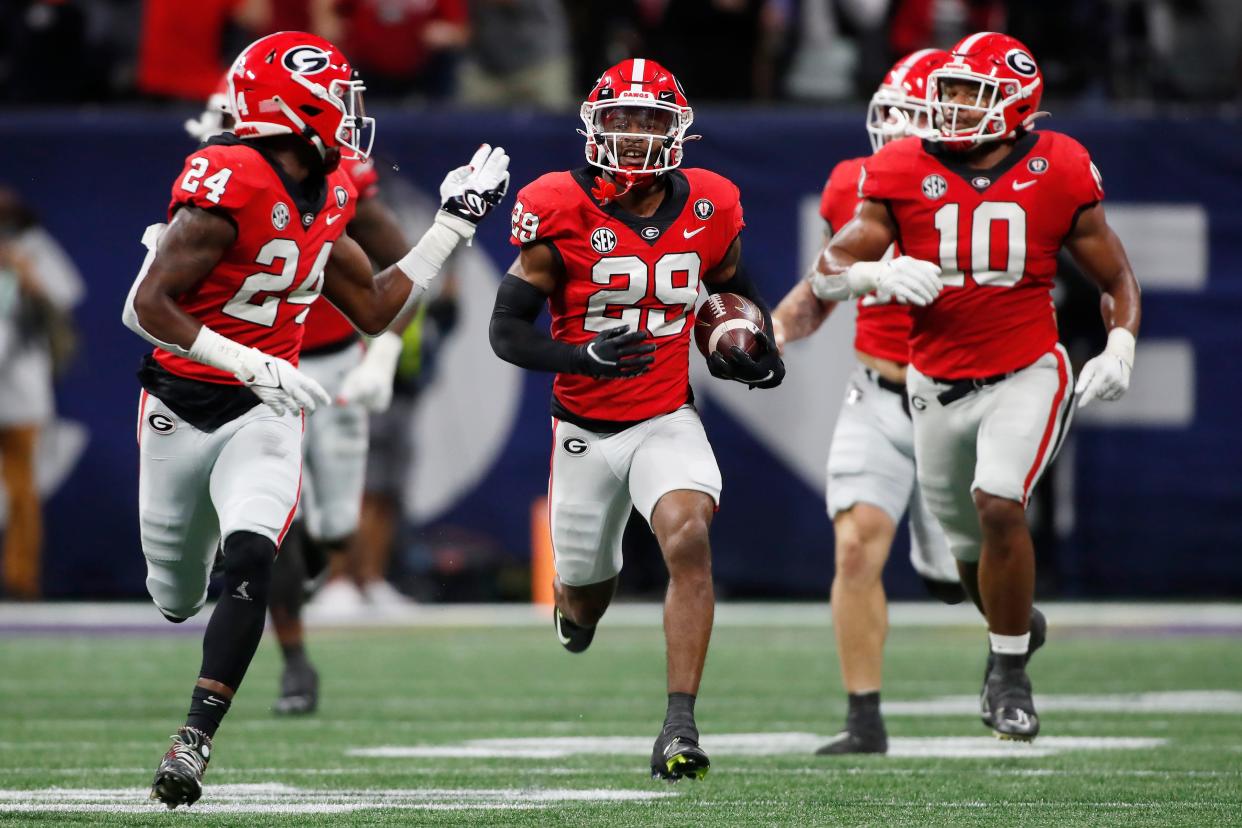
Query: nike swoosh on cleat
point(689, 234)
point(559, 635)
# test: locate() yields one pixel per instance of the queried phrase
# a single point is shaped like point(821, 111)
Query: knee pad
point(248, 559)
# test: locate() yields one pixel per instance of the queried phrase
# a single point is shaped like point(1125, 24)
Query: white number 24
point(215, 184)
point(242, 306)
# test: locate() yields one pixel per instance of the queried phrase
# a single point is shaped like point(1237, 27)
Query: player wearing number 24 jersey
point(981, 206)
point(255, 233)
point(617, 251)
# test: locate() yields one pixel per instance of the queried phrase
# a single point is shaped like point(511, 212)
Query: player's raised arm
point(373, 304)
point(1098, 252)
point(849, 265)
point(614, 353)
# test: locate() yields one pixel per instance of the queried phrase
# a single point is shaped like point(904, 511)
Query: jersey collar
point(975, 175)
point(308, 196)
point(677, 192)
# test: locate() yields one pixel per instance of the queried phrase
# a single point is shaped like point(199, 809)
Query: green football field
point(483, 720)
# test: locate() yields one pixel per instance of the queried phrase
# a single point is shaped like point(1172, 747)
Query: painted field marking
point(276, 798)
point(750, 744)
point(1180, 701)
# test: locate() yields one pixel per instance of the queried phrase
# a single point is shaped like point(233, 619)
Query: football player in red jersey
point(617, 250)
point(990, 202)
point(255, 233)
point(871, 476)
point(334, 444)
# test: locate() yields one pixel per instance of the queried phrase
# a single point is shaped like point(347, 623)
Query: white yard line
point(140, 616)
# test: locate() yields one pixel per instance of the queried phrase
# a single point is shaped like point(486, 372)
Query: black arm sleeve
point(743, 286)
point(515, 338)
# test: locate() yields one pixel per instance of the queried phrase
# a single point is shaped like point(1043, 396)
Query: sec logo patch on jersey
point(603, 240)
point(280, 215)
point(934, 186)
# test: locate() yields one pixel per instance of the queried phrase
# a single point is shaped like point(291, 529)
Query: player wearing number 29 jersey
point(622, 269)
point(617, 251)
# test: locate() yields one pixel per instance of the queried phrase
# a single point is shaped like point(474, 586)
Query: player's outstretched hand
point(1107, 376)
point(616, 353)
point(765, 372)
point(369, 383)
point(284, 389)
point(470, 192)
point(906, 279)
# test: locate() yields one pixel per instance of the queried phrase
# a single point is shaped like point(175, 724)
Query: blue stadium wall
point(1150, 502)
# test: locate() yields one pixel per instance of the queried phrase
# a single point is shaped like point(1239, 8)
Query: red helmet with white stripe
point(989, 89)
point(636, 119)
point(899, 107)
point(298, 83)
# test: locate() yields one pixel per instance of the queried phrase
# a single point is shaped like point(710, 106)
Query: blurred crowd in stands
point(546, 53)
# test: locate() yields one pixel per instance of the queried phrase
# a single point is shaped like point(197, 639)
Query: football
point(726, 320)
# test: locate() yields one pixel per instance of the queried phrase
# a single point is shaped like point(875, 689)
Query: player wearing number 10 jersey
point(982, 206)
point(255, 233)
point(618, 250)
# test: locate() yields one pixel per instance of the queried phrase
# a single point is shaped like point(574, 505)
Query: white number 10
point(980, 244)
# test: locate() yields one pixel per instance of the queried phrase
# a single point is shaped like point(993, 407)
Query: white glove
point(469, 193)
point(1107, 376)
point(905, 279)
point(369, 383)
point(283, 388)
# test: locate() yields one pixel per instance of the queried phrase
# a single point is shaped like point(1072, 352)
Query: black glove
point(615, 353)
point(765, 372)
point(470, 192)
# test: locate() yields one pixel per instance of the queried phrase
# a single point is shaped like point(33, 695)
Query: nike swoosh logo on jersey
point(331, 219)
point(689, 234)
point(1022, 185)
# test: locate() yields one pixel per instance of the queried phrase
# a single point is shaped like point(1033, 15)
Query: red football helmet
point(636, 119)
point(899, 107)
point(1009, 85)
point(298, 83)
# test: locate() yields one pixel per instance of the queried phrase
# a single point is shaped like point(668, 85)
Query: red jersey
point(882, 329)
point(622, 269)
point(325, 325)
point(259, 292)
point(995, 234)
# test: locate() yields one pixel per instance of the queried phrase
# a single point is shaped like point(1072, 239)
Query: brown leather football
point(726, 320)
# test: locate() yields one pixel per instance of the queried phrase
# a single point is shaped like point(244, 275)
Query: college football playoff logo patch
point(1038, 165)
point(603, 240)
point(341, 196)
point(306, 60)
point(934, 186)
point(280, 215)
point(704, 209)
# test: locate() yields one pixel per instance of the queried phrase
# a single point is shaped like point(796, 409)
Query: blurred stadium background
point(1143, 503)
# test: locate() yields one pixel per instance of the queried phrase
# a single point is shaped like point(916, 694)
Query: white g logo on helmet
point(1020, 62)
point(306, 60)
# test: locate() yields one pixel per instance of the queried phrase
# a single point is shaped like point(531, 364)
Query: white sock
point(1010, 644)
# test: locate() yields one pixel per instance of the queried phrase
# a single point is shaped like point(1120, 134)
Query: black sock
point(865, 704)
point(236, 624)
point(295, 654)
point(1008, 661)
point(207, 710)
point(680, 709)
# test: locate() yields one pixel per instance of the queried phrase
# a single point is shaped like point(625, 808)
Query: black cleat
point(299, 691)
point(1039, 634)
point(179, 778)
point(1007, 704)
point(860, 736)
point(947, 592)
point(677, 754)
point(572, 636)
